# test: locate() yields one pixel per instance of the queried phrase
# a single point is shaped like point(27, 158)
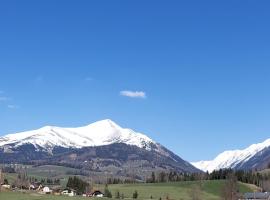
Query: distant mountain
point(256, 156)
point(100, 133)
point(101, 146)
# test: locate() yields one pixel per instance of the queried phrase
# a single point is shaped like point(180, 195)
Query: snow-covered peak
point(230, 159)
point(103, 132)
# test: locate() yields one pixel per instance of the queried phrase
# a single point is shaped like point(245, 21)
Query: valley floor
point(211, 190)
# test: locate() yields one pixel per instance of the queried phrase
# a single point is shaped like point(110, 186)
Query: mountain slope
point(81, 147)
point(255, 156)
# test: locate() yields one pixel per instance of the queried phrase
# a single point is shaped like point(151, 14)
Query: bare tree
point(230, 188)
point(1, 178)
point(90, 186)
point(22, 181)
point(265, 185)
point(196, 192)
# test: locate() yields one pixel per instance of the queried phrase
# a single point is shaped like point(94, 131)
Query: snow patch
point(100, 133)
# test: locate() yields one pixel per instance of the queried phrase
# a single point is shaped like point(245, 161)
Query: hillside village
point(77, 187)
point(22, 184)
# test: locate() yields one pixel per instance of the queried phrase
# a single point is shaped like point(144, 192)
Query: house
point(68, 192)
point(6, 186)
point(39, 188)
point(32, 187)
point(46, 190)
point(35, 186)
point(97, 193)
point(56, 190)
point(257, 196)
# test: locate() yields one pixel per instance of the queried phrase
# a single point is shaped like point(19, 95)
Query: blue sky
point(200, 68)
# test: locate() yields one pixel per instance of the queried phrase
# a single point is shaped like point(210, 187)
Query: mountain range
point(102, 147)
point(256, 156)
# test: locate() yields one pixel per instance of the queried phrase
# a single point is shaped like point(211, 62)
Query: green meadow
point(210, 190)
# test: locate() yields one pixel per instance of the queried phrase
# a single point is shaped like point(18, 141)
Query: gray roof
point(257, 195)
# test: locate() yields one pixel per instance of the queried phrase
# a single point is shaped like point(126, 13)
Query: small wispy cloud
point(4, 98)
point(11, 106)
point(7, 102)
point(133, 94)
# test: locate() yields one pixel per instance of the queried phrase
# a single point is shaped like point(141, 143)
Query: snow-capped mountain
point(100, 133)
point(97, 147)
point(255, 156)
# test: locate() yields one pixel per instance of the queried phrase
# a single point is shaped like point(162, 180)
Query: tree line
point(261, 180)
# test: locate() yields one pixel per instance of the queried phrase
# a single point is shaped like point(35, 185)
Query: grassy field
point(179, 191)
point(211, 190)
point(44, 172)
point(33, 196)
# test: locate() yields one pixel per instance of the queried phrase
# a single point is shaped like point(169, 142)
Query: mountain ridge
point(96, 134)
point(236, 159)
point(100, 146)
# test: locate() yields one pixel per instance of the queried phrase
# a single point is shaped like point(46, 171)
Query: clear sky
point(201, 69)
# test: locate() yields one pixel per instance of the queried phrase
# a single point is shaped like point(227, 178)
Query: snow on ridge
point(102, 132)
point(230, 159)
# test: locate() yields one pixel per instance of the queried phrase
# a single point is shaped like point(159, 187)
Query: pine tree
point(135, 194)
point(153, 177)
point(77, 184)
point(117, 194)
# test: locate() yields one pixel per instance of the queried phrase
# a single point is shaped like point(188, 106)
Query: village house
point(6, 186)
point(97, 193)
point(46, 190)
point(56, 192)
point(35, 186)
point(69, 192)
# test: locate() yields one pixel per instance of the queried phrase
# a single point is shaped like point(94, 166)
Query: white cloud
point(12, 106)
point(133, 94)
point(6, 101)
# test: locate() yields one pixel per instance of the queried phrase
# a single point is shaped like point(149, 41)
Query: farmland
point(210, 190)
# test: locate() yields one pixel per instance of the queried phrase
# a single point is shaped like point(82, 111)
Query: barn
point(257, 196)
point(97, 193)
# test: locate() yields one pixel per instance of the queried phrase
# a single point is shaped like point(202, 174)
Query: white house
point(70, 193)
point(46, 190)
point(97, 193)
point(6, 186)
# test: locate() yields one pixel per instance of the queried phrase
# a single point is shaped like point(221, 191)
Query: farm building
point(6, 186)
point(69, 192)
point(97, 193)
point(257, 196)
point(35, 186)
point(46, 190)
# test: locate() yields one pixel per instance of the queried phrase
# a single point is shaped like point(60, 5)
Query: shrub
point(135, 194)
point(107, 192)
